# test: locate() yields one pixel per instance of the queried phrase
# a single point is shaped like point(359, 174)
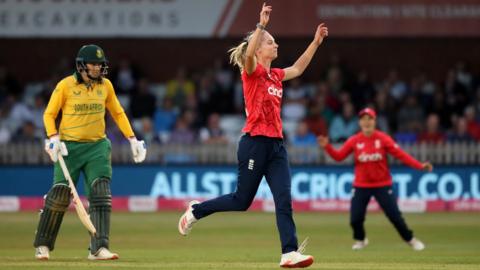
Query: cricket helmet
point(91, 54)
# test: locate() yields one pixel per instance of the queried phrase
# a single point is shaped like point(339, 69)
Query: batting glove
point(139, 150)
point(54, 147)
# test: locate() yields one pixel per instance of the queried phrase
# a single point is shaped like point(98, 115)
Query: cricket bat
point(81, 212)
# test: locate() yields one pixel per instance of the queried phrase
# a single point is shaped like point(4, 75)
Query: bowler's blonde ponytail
point(237, 54)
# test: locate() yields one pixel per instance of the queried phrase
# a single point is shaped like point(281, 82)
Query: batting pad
point(56, 203)
point(100, 210)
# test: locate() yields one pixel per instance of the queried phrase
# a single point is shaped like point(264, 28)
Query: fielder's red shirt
point(371, 164)
point(263, 98)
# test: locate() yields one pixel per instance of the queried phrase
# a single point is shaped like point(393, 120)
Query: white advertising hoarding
point(110, 18)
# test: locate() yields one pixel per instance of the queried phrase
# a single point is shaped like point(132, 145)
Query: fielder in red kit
point(372, 176)
point(261, 151)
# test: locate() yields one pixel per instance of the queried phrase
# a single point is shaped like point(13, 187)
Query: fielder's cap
point(368, 111)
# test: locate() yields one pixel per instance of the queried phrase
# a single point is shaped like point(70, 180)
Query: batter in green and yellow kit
point(82, 127)
point(83, 99)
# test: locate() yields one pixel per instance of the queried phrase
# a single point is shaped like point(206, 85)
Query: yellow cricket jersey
point(83, 111)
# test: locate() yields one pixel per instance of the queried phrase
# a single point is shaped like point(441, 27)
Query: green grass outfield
point(247, 241)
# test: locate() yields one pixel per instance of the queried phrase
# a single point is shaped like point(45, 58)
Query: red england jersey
point(263, 98)
point(371, 164)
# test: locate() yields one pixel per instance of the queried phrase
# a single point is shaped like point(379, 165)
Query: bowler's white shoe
point(295, 259)
point(103, 254)
point(358, 245)
point(416, 244)
point(42, 253)
point(187, 220)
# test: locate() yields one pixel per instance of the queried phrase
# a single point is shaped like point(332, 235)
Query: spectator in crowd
point(191, 114)
point(344, 125)
point(48, 85)
point(386, 106)
point(142, 102)
point(295, 99)
point(165, 117)
point(473, 125)
point(327, 101)
point(206, 88)
point(5, 131)
point(440, 107)
point(385, 114)
point(423, 87)
point(125, 77)
point(397, 87)
point(212, 133)
point(179, 88)
point(335, 80)
point(456, 93)
point(476, 102)
point(432, 133)
point(401, 107)
point(191, 103)
point(223, 77)
point(183, 133)
point(147, 132)
point(26, 134)
point(303, 136)
point(460, 132)
point(37, 112)
point(315, 120)
point(238, 101)
point(19, 113)
point(344, 98)
point(410, 116)
point(337, 74)
point(331, 100)
point(463, 75)
point(363, 91)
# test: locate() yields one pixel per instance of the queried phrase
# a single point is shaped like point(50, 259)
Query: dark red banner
point(374, 18)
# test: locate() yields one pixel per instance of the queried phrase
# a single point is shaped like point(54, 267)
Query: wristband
point(260, 26)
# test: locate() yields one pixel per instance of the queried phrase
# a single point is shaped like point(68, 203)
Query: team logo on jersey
point(272, 77)
point(76, 93)
point(360, 145)
point(377, 144)
point(364, 157)
point(99, 54)
point(275, 92)
point(99, 92)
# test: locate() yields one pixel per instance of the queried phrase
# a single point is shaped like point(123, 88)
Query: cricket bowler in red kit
point(372, 176)
point(262, 151)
